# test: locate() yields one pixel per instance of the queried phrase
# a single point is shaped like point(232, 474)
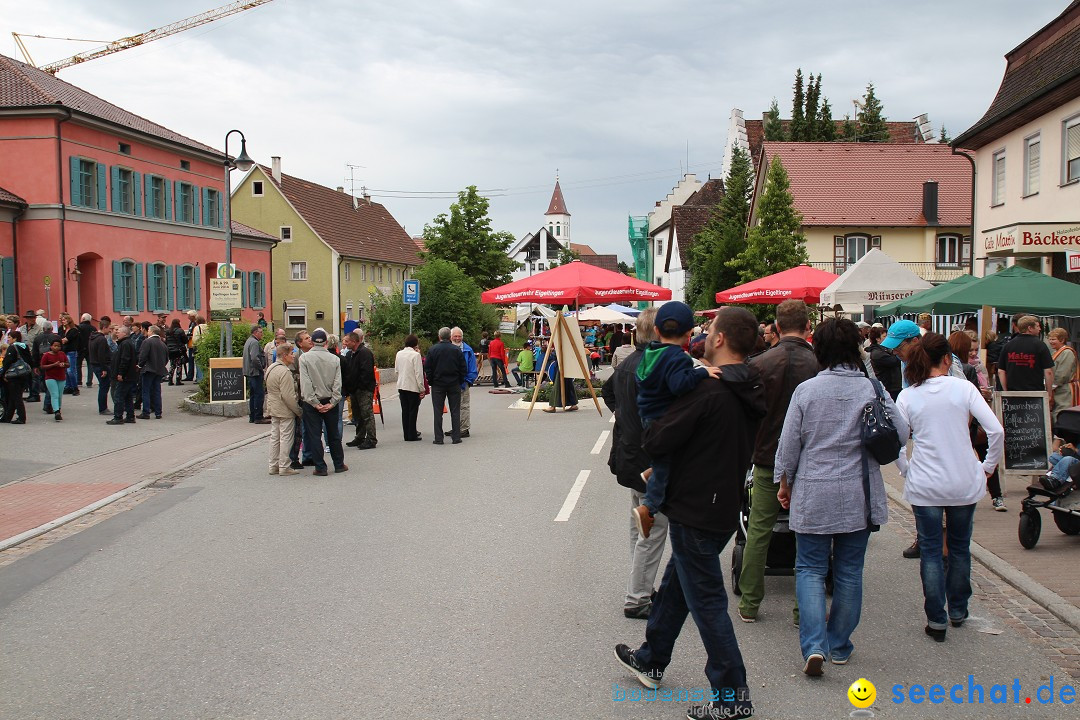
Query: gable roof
point(607, 262)
point(11, 198)
point(1042, 73)
point(557, 206)
point(239, 228)
point(366, 232)
point(582, 249)
point(869, 184)
point(691, 217)
point(900, 133)
point(24, 86)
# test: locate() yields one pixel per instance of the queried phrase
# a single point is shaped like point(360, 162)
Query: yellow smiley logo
point(862, 693)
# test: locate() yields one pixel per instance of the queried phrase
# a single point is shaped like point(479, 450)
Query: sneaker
point(815, 665)
point(840, 660)
point(294, 465)
point(115, 421)
point(288, 471)
point(464, 433)
point(273, 470)
point(912, 552)
point(747, 618)
point(643, 521)
point(58, 416)
point(638, 613)
point(999, 505)
point(958, 621)
point(650, 678)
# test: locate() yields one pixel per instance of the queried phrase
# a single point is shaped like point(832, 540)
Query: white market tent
point(876, 279)
point(603, 315)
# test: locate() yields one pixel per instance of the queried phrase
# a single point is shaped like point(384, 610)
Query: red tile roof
point(607, 262)
point(900, 133)
point(690, 218)
point(367, 231)
point(239, 228)
point(873, 183)
point(582, 250)
point(1042, 73)
point(10, 197)
point(23, 86)
point(557, 206)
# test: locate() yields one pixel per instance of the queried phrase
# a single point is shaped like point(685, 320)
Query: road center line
point(571, 500)
point(600, 443)
point(612, 420)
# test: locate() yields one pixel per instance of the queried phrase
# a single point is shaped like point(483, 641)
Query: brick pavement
point(35, 501)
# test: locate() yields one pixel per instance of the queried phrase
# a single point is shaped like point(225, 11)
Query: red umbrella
point(575, 282)
point(799, 283)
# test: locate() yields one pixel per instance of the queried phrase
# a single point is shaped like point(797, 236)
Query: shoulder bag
point(879, 435)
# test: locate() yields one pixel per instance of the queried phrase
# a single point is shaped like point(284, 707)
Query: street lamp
point(243, 163)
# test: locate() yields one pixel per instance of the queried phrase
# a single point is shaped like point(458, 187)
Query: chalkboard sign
point(227, 379)
point(1025, 415)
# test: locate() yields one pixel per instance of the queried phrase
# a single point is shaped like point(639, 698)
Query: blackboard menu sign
point(1026, 418)
point(227, 380)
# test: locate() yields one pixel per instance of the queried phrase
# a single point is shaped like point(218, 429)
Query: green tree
point(872, 127)
point(776, 242)
point(466, 239)
point(826, 124)
point(813, 99)
point(944, 138)
point(566, 255)
point(723, 237)
point(774, 128)
point(798, 119)
point(448, 297)
point(626, 269)
point(849, 132)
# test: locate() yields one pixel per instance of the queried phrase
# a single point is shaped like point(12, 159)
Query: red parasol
point(799, 283)
point(575, 282)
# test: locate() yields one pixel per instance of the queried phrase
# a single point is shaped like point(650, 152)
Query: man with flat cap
point(254, 367)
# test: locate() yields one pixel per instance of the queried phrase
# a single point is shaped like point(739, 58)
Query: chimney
point(275, 168)
point(340, 189)
point(930, 202)
point(366, 195)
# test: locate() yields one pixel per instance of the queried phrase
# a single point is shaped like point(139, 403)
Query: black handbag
point(17, 370)
point(879, 435)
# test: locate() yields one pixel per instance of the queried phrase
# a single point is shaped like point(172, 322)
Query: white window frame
point(952, 243)
point(659, 247)
point(285, 233)
point(186, 204)
point(1032, 179)
point(380, 273)
point(257, 188)
point(125, 178)
point(1068, 124)
point(158, 191)
point(997, 178)
point(348, 272)
point(363, 272)
point(292, 309)
point(348, 311)
point(127, 278)
point(298, 270)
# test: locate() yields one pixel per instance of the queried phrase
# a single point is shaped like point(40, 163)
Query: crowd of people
point(792, 400)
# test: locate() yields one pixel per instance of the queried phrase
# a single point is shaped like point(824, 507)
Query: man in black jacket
point(709, 434)
point(361, 392)
point(100, 357)
point(445, 370)
point(153, 362)
point(86, 329)
point(122, 373)
point(628, 460)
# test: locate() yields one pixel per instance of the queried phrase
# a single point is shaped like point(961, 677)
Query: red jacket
point(497, 351)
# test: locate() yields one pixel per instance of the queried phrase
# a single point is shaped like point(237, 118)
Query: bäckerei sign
point(1031, 239)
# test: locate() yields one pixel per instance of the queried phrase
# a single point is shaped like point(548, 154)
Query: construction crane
point(140, 39)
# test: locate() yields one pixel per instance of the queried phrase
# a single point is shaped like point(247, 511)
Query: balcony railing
point(931, 272)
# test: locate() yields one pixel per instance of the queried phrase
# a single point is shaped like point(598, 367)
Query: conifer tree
point(849, 132)
point(826, 125)
point(798, 119)
point(944, 138)
point(872, 127)
point(813, 96)
point(776, 242)
point(774, 129)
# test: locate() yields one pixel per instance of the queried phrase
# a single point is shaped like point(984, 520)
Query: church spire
point(557, 206)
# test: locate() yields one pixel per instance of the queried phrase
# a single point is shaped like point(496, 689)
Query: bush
point(209, 347)
point(385, 351)
point(447, 298)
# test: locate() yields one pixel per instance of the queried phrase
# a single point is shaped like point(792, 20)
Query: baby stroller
point(1063, 502)
point(781, 557)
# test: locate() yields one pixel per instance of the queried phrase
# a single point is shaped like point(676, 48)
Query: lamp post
point(243, 163)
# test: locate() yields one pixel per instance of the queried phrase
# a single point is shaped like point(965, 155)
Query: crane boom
point(156, 34)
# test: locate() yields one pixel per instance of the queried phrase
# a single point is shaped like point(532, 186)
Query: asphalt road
point(427, 582)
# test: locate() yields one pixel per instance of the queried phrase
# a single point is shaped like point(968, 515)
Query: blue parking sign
point(411, 292)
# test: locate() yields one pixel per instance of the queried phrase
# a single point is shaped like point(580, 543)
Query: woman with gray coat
point(283, 405)
point(820, 467)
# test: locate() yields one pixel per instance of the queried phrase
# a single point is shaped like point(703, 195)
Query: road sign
point(225, 299)
point(226, 270)
point(411, 292)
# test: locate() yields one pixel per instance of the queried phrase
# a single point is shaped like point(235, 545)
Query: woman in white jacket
point(944, 477)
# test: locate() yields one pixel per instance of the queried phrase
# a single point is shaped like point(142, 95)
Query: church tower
point(557, 217)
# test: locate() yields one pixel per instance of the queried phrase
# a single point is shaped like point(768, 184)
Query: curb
point(1056, 605)
point(53, 524)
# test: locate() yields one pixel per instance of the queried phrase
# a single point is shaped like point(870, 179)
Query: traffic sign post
point(410, 295)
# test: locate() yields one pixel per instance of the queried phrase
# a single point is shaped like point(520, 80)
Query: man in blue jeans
point(702, 505)
point(320, 395)
point(254, 367)
point(99, 353)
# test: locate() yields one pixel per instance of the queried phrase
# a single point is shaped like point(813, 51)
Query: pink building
point(117, 215)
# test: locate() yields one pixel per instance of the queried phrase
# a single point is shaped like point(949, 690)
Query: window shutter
point(169, 287)
point(7, 271)
point(151, 288)
point(243, 289)
point(136, 192)
point(197, 204)
point(76, 186)
point(221, 209)
point(198, 288)
point(168, 198)
point(206, 219)
point(117, 286)
point(117, 201)
point(140, 298)
point(181, 288)
point(102, 191)
point(148, 195)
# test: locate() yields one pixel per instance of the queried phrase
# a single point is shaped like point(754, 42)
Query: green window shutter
point(7, 271)
point(169, 287)
point(117, 201)
point(102, 190)
point(151, 288)
point(251, 289)
point(140, 298)
point(206, 219)
point(76, 186)
point(198, 288)
point(117, 286)
point(168, 198)
point(183, 302)
point(243, 288)
point(221, 209)
point(196, 218)
point(262, 291)
point(148, 195)
point(136, 192)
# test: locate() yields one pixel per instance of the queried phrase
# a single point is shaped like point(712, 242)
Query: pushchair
point(781, 556)
point(1062, 502)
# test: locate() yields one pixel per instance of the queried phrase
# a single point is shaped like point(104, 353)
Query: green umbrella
point(920, 301)
point(1014, 289)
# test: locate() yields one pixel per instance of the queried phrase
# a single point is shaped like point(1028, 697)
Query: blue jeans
point(315, 424)
point(151, 394)
point(943, 587)
point(72, 379)
point(255, 397)
point(832, 637)
point(1059, 466)
point(656, 488)
point(101, 372)
point(693, 584)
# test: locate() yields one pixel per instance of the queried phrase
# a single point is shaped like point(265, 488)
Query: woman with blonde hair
point(1066, 372)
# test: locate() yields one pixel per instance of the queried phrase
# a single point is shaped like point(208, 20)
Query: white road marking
point(571, 500)
point(600, 443)
point(612, 420)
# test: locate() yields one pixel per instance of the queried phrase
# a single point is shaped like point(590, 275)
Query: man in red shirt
point(499, 361)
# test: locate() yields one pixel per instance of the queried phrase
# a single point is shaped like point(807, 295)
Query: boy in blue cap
point(664, 373)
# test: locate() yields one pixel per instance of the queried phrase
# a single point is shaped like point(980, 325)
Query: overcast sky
point(435, 95)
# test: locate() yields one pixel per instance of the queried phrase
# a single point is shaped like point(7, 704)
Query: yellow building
point(334, 251)
point(913, 201)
